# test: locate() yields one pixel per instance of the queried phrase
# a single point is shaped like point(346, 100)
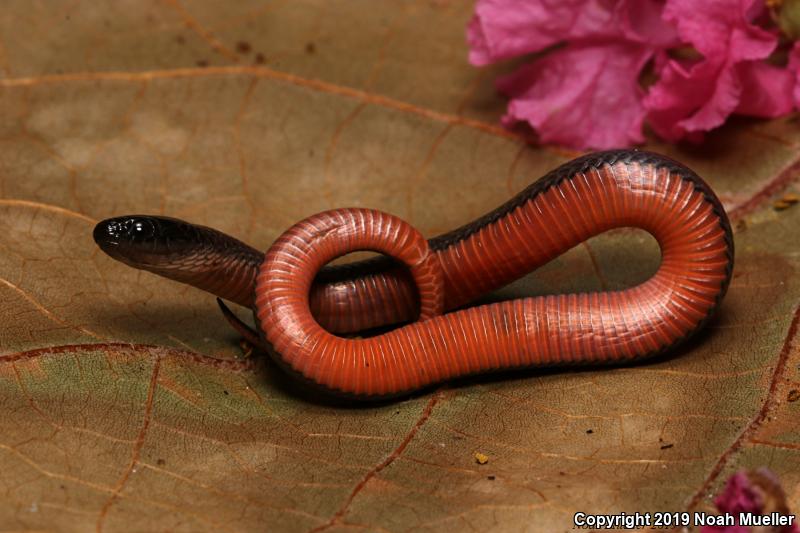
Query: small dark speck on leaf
point(180, 39)
point(589, 431)
point(562, 473)
point(62, 487)
point(311, 48)
point(490, 478)
point(741, 225)
point(260, 59)
point(226, 392)
point(161, 462)
point(243, 47)
point(666, 446)
point(794, 395)
point(67, 17)
point(202, 63)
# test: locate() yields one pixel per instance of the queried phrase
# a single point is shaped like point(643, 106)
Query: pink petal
point(682, 91)
point(794, 67)
point(690, 99)
point(722, 30)
point(766, 89)
point(582, 96)
point(506, 28)
point(722, 101)
point(642, 21)
point(755, 491)
point(739, 495)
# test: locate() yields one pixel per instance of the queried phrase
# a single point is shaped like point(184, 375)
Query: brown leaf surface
point(125, 404)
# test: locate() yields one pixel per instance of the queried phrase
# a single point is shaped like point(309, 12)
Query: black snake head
point(146, 241)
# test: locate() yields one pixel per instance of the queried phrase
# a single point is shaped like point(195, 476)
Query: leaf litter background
point(126, 403)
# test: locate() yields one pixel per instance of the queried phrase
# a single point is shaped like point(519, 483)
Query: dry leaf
point(125, 404)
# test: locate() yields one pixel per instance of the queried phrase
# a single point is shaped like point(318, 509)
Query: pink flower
point(692, 97)
point(586, 94)
point(758, 492)
point(583, 89)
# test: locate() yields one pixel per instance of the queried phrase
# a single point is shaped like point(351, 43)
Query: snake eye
point(141, 229)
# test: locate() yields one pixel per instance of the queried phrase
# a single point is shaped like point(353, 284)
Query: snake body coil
point(297, 309)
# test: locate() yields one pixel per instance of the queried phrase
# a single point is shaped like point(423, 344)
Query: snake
point(304, 308)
